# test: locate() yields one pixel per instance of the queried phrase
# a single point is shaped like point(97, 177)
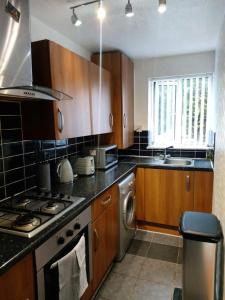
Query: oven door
point(47, 277)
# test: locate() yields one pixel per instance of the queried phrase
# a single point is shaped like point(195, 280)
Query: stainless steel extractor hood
point(15, 55)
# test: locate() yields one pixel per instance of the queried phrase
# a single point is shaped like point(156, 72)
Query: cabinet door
point(70, 74)
point(18, 282)
point(99, 249)
point(179, 187)
point(101, 108)
point(112, 227)
point(168, 193)
point(203, 189)
point(127, 101)
point(140, 204)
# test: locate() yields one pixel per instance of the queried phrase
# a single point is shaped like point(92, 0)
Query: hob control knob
point(61, 240)
point(69, 232)
point(77, 226)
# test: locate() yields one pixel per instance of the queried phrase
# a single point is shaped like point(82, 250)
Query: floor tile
point(180, 256)
point(117, 287)
point(144, 235)
point(138, 247)
point(163, 252)
point(157, 271)
point(167, 239)
point(145, 290)
point(129, 266)
point(178, 276)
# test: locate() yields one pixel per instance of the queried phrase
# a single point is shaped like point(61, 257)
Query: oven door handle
point(96, 241)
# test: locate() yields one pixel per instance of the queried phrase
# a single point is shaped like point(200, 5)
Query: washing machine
point(127, 222)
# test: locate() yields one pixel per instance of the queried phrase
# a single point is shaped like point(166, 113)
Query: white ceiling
point(188, 26)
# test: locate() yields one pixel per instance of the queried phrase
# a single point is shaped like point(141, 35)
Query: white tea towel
point(81, 258)
point(69, 277)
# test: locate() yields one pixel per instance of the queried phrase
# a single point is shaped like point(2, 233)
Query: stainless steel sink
point(178, 161)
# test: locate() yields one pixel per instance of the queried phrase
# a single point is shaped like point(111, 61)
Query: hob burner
point(24, 220)
point(22, 201)
point(51, 205)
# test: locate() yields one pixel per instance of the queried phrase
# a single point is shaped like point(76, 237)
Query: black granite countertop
point(13, 248)
point(156, 163)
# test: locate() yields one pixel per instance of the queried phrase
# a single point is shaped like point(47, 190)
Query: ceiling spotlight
point(129, 10)
point(101, 11)
point(75, 20)
point(162, 6)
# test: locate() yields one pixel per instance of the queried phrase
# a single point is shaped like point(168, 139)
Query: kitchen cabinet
point(203, 190)
point(168, 193)
point(60, 69)
point(18, 282)
point(105, 231)
point(162, 195)
point(101, 107)
point(140, 200)
point(122, 70)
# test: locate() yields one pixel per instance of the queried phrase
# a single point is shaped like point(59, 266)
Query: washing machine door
point(129, 211)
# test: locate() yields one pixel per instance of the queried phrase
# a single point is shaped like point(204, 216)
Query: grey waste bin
point(202, 256)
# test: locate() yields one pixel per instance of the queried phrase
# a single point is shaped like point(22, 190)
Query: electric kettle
point(65, 171)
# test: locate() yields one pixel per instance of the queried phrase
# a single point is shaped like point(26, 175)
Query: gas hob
point(27, 215)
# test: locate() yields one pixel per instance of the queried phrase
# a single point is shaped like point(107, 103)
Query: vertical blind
point(180, 109)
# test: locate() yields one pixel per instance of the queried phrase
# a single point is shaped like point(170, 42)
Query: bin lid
point(200, 226)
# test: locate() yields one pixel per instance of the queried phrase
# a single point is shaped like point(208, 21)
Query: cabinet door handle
point(124, 120)
point(188, 183)
point(107, 200)
point(96, 244)
point(60, 120)
point(111, 120)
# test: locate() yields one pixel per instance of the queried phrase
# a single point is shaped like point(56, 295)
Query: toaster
point(84, 165)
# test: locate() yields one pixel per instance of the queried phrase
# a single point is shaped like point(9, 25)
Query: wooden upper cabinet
point(19, 282)
point(128, 101)
point(60, 69)
point(101, 103)
point(121, 69)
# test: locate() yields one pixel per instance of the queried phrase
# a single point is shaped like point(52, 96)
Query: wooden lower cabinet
point(203, 191)
point(18, 282)
point(163, 195)
point(168, 194)
point(105, 230)
point(140, 196)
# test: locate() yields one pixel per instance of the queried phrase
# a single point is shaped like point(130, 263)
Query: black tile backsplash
point(10, 122)
point(12, 149)
point(11, 135)
point(18, 158)
point(9, 108)
point(139, 148)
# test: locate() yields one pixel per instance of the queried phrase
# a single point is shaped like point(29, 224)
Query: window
point(179, 111)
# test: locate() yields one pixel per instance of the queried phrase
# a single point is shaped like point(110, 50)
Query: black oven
point(56, 248)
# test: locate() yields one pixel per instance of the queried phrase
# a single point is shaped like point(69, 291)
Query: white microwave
point(104, 156)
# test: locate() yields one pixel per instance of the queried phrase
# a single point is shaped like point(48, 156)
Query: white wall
point(146, 69)
point(40, 31)
point(219, 167)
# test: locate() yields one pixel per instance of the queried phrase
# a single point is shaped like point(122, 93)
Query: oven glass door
point(51, 274)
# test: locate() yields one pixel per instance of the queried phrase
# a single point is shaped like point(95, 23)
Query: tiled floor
point(151, 269)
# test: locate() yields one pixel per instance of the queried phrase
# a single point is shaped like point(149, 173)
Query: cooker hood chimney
point(15, 55)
